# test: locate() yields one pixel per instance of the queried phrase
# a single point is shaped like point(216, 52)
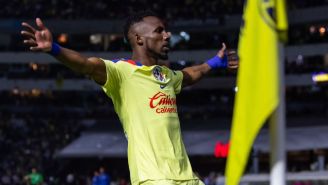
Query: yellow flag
point(257, 97)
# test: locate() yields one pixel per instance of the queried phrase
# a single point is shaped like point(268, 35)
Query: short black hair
point(135, 18)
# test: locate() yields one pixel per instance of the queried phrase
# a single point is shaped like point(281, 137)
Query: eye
point(159, 30)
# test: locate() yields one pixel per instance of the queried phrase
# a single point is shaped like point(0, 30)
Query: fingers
point(231, 52)
point(43, 34)
point(39, 23)
point(35, 49)
point(221, 52)
point(233, 59)
point(232, 55)
point(36, 38)
point(28, 34)
point(224, 47)
point(30, 42)
point(33, 45)
point(233, 63)
point(233, 67)
point(33, 30)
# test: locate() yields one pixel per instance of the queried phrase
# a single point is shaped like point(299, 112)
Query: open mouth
point(166, 48)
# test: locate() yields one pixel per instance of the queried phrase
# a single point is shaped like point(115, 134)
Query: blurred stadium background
point(63, 124)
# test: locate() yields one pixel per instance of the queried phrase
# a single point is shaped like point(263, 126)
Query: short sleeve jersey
point(144, 98)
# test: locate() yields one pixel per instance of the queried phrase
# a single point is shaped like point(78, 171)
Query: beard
point(159, 55)
point(163, 56)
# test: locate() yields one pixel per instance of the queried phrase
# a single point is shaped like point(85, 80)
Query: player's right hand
point(37, 39)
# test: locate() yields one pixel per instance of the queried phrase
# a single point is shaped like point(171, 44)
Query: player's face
point(156, 38)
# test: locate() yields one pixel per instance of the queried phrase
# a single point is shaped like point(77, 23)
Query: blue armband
point(55, 49)
point(217, 62)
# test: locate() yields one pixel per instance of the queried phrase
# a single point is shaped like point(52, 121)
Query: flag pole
point(277, 130)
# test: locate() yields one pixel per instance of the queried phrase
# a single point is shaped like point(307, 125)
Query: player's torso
point(148, 94)
point(153, 89)
point(149, 116)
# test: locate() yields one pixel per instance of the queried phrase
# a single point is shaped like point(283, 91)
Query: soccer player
point(143, 94)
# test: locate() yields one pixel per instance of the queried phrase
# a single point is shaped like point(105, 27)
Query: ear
point(139, 40)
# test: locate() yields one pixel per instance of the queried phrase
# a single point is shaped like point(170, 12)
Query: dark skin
point(148, 38)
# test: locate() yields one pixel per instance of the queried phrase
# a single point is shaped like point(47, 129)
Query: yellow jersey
point(144, 98)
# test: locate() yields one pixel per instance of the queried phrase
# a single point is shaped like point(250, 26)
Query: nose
point(167, 35)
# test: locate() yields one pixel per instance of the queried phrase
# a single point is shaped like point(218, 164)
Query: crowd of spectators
point(32, 142)
point(171, 10)
point(102, 9)
point(60, 72)
point(306, 3)
point(76, 106)
point(36, 71)
point(303, 34)
point(96, 105)
point(200, 39)
point(299, 65)
point(306, 65)
point(29, 152)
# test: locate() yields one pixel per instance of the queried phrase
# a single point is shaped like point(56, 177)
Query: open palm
point(39, 39)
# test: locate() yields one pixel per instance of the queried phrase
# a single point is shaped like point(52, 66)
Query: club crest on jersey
point(158, 74)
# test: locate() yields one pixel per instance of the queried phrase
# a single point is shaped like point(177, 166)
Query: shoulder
point(169, 70)
point(122, 60)
point(175, 73)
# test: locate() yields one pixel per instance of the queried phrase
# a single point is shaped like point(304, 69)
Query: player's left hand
point(233, 59)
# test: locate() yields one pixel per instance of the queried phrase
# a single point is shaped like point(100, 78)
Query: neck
point(144, 59)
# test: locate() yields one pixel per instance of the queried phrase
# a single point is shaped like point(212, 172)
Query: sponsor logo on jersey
point(163, 103)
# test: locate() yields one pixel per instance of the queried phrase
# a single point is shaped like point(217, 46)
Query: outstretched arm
point(40, 39)
point(193, 74)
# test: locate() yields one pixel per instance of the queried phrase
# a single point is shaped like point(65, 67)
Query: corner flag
point(258, 96)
